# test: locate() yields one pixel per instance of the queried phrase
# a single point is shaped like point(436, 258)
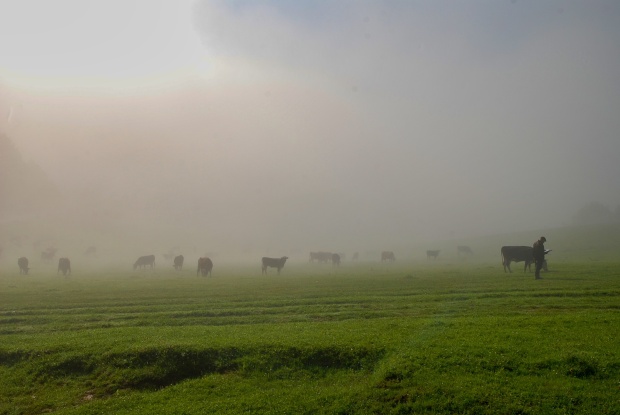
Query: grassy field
point(422, 337)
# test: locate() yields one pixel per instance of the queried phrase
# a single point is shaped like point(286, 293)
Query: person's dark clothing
point(538, 250)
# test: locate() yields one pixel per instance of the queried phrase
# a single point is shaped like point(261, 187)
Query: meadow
point(419, 337)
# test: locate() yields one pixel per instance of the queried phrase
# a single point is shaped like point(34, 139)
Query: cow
point(273, 263)
point(356, 256)
point(205, 265)
point(144, 261)
point(432, 254)
point(178, 262)
point(48, 254)
point(23, 265)
point(91, 251)
point(388, 256)
point(64, 265)
point(336, 260)
point(518, 254)
point(464, 250)
point(321, 257)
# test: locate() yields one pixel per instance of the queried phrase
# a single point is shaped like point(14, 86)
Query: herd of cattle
point(509, 254)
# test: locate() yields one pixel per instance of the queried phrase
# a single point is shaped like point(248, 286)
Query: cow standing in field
point(432, 254)
point(320, 257)
point(273, 263)
point(91, 251)
point(23, 265)
point(517, 254)
point(336, 260)
point(387, 256)
point(464, 250)
point(144, 261)
point(178, 262)
point(49, 254)
point(64, 265)
point(205, 265)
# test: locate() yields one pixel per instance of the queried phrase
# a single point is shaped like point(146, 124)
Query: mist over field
point(251, 128)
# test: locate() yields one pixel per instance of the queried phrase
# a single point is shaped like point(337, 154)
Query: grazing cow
point(178, 262)
point(336, 260)
point(144, 261)
point(321, 257)
point(64, 265)
point(432, 254)
point(518, 254)
point(388, 256)
point(464, 250)
point(205, 265)
point(23, 265)
point(48, 254)
point(273, 263)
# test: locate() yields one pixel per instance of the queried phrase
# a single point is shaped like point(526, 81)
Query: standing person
point(538, 250)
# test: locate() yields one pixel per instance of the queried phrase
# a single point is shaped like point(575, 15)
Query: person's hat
point(542, 238)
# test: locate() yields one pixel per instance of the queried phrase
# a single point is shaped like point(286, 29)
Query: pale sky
point(329, 122)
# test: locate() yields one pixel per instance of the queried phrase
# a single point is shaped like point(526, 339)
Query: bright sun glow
point(111, 44)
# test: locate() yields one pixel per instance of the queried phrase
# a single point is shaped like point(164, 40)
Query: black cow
point(388, 256)
point(23, 265)
point(273, 263)
point(205, 265)
point(144, 261)
point(336, 260)
point(518, 254)
point(178, 262)
point(432, 254)
point(464, 250)
point(64, 265)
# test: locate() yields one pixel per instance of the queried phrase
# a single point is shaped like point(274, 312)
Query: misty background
point(276, 127)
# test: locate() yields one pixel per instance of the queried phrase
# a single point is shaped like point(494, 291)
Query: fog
point(276, 127)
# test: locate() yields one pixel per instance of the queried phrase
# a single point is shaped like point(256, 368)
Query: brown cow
point(205, 265)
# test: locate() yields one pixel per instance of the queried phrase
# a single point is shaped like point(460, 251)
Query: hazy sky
point(358, 123)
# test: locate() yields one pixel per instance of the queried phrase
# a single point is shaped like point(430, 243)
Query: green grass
point(421, 337)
